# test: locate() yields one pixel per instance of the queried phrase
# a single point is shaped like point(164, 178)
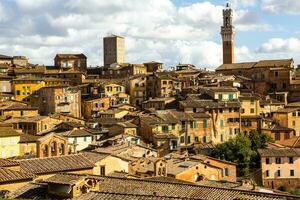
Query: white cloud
point(279, 45)
point(278, 7)
point(156, 30)
point(242, 3)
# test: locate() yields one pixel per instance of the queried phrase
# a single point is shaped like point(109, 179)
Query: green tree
point(243, 151)
point(237, 150)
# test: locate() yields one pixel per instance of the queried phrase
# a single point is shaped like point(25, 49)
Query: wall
point(9, 146)
point(111, 164)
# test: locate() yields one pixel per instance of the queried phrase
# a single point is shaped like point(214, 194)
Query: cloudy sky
point(170, 31)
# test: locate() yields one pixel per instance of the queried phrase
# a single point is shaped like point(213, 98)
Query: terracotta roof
point(292, 142)
point(5, 57)
point(221, 89)
point(56, 164)
point(67, 179)
point(286, 110)
point(279, 152)
point(29, 138)
point(184, 191)
point(17, 106)
point(8, 163)
point(246, 65)
point(8, 132)
point(95, 156)
point(113, 196)
point(260, 64)
point(8, 175)
point(30, 191)
point(274, 63)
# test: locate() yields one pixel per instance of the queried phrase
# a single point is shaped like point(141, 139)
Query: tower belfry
point(227, 32)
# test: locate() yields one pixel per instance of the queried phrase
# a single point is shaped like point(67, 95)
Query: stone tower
point(114, 50)
point(227, 32)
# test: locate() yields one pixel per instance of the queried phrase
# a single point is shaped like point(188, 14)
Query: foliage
point(243, 151)
point(296, 191)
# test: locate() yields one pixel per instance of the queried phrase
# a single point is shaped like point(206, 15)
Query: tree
point(243, 151)
point(236, 150)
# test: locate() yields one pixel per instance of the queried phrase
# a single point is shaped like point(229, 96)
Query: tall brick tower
point(227, 32)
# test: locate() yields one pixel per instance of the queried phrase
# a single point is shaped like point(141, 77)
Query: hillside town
point(147, 131)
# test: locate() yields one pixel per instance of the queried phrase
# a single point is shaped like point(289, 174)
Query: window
point(267, 161)
point(267, 173)
point(220, 97)
point(226, 172)
point(18, 92)
point(243, 110)
point(252, 102)
point(182, 139)
point(283, 85)
point(164, 82)
point(165, 129)
point(230, 96)
point(221, 110)
point(230, 131)
point(294, 114)
point(278, 173)
point(221, 123)
point(204, 123)
point(84, 139)
point(222, 137)
point(205, 139)
point(173, 126)
point(294, 123)
point(277, 136)
point(191, 125)
point(188, 139)
point(292, 172)
point(183, 125)
point(287, 135)
point(22, 113)
point(102, 170)
point(196, 139)
point(276, 74)
point(45, 126)
point(236, 131)
point(252, 110)
point(278, 161)
point(291, 160)
point(12, 153)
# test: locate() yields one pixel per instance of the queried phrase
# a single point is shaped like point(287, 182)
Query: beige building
point(280, 167)
point(113, 50)
point(9, 140)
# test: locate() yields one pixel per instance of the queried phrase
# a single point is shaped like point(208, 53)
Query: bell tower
point(227, 32)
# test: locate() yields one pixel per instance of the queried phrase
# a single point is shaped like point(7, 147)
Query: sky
point(169, 31)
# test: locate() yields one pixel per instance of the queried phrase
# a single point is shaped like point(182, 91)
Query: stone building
point(92, 107)
point(138, 89)
point(48, 145)
point(75, 62)
point(113, 50)
point(60, 99)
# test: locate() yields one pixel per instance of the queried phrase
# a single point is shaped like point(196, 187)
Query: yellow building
point(26, 89)
point(113, 89)
point(9, 142)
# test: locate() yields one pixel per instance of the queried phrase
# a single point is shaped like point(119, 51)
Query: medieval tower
point(227, 32)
